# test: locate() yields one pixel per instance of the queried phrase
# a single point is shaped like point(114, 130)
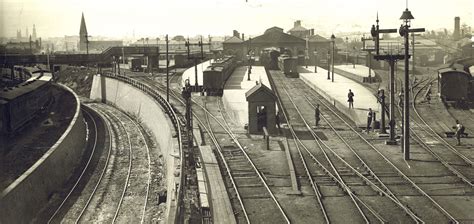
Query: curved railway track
point(86, 168)
point(458, 163)
point(116, 193)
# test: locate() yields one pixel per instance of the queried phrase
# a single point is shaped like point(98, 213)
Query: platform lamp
point(315, 61)
point(249, 57)
point(404, 32)
point(328, 59)
point(347, 50)
point(333, 40)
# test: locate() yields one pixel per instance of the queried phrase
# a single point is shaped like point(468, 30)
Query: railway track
point(380, 168)
point(94, 120)
point(230, 154)
point(456, 162)
point(119, 192)
point(348, 171)
point(258, 199)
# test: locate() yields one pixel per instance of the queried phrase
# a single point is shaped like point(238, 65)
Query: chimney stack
point(312, 32)
point(243, 36)
point(297, 23)
point(456, 34)
point(236, 34)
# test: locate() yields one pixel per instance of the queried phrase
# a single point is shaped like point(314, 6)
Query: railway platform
point(190, 73)
point(235, 88)
point(358, 73)
point(336, 93)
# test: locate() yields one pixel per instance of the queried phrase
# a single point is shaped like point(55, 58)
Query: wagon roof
point(451, 71)
point(23, 88)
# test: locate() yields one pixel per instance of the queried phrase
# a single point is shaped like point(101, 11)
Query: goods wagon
point(288, 65)
point(454, 85)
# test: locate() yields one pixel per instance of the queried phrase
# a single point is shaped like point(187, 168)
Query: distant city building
point(85, 44)
point(34, 32)
point(177, 44)
point(32, 47)
point(467, 47)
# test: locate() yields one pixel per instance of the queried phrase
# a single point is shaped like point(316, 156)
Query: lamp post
point(391, 59)
point(333, 39)
point(249, 56)
point(315, 62)
point(328, 62)
point(404, 32)
point(306, 53)
point(356, 57)
point(347, 50)
point(167, 71)
point(381, 96)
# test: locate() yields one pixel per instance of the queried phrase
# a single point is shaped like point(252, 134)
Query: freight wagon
point(454, 85)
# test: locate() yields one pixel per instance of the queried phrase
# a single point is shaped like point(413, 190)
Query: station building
point(299, 41)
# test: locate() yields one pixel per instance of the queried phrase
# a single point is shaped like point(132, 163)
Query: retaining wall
point(27, 195)
point(152, 116)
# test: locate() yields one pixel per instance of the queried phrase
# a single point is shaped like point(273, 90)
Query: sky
point(149, 18)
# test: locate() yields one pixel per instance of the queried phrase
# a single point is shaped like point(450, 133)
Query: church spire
point(83, 30)
point(34, 32)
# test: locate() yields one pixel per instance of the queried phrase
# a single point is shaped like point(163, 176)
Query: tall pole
point(347, 50)
point(382, 101)
point(123, 55)
point(306, 57)
point(405, 32)
point(329, 63)
point(315, 62)
point(392, 103)
point(370, 66)
point(167, 72)
point(406, 100)
point(413, 55)
point(249, 58)
point(332, 69)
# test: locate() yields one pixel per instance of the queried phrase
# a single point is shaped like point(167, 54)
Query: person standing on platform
point(277, 121)
point(350, 99)
point(459, 131)
point(317, 114)
point(369, 119)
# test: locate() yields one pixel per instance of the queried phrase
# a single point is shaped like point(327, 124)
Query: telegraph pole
point(167, 71)
point(369, 51)
point(328, 60)
point(195, 58)
point(405, 32)
point(333, 39)
point(391, 59)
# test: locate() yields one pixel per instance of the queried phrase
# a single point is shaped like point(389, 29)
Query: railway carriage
point(216, 75)
point(21, 103)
